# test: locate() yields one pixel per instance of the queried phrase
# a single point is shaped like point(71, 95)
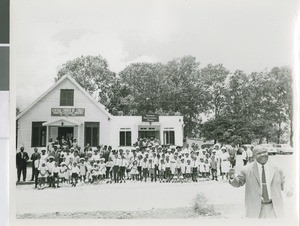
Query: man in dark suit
point(21, 160)
point(34, 157)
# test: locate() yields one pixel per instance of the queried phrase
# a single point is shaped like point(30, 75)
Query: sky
point(240, 34)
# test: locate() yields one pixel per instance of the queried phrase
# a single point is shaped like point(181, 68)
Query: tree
point(92, 73)
point(186, 92)
point(214, 76)
point(145, 84)
point(281, 103)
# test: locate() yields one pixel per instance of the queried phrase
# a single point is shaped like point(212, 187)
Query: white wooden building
point(66, 109)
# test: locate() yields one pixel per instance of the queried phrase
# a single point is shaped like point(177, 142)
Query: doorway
point(66, 132)
point(149, 134)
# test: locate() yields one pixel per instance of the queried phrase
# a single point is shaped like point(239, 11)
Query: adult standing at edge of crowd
point(21, 161)
point(264, 183)
point(34, 157)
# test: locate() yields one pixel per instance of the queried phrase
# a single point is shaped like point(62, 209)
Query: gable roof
point(99, 105)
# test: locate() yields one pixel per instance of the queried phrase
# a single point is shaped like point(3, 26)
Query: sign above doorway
point(150, 118)
point(74, 112)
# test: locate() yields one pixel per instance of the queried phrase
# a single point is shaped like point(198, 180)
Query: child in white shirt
point(182, 170)
point(55, 172)
point(202, 168)
point(43, 169)
point(145, 169)
point(161, 170)
point(82, 169)
point(188, 170)
point(102, 169)
point(109, 166)
point(207, 168)
point(74, 174)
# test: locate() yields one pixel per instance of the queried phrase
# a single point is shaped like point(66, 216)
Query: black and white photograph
point(154, 110)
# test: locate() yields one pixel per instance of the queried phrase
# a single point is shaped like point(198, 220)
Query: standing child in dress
point(43, 175)
point(68, 172)
point(225, 164)
point(102, 169)
point(50, 166)
point(202, 167)
point(89, 171)
point(134, 171)
point(95, 173)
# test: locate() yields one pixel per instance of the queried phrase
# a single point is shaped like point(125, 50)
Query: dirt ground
point(139, 200)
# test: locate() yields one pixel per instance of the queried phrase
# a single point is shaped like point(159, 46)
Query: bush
point(201, 207)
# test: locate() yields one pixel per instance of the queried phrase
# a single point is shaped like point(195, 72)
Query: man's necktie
point(265, 195)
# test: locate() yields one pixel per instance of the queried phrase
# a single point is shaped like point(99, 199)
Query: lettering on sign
point(68, 112)
point(150, 118)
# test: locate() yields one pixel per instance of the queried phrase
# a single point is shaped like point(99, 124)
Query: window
point(66, 97)
point(125, 138)
point(91, 133)
point(169, 137)
point(38, 136)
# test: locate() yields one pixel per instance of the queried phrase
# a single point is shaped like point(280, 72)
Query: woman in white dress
point(225, 163)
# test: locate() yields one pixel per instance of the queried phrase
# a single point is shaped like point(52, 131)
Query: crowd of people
point(65, 164)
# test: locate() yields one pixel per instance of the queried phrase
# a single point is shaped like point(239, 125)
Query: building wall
point(41, 111)
point(131, 123)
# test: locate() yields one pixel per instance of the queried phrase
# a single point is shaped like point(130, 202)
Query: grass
point(202, 207)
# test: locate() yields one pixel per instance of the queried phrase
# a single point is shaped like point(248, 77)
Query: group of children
point(155, 164)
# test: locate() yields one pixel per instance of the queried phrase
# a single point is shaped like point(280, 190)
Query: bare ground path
point(135, 197)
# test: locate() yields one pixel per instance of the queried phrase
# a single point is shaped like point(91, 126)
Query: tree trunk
point(291, 133)
point(279, 133)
